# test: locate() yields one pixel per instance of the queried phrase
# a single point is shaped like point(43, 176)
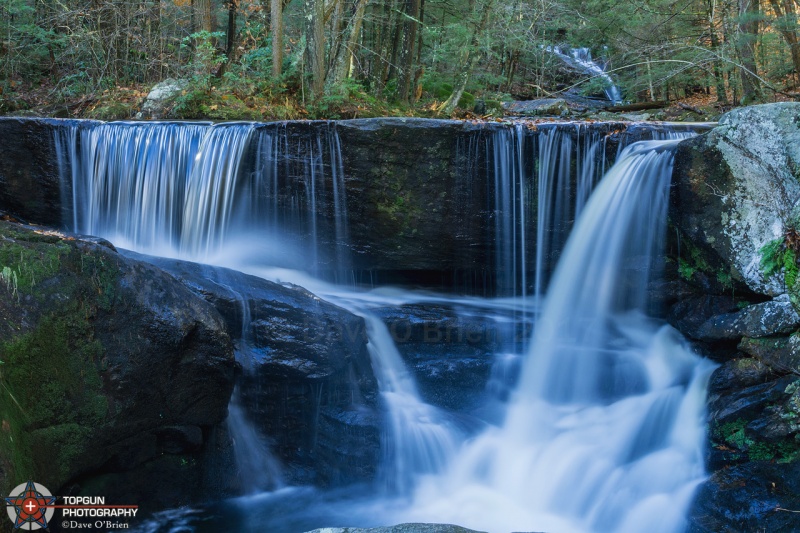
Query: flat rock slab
point(400, 528)
point(777, 317)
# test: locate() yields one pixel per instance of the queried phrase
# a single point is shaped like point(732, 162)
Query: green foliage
point(777, 257)
point(75, 50)
point(772, 257)
point(205, 57)
point(685, 269)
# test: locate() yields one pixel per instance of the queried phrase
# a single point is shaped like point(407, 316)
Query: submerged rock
point(400, 528)
point(109, 365)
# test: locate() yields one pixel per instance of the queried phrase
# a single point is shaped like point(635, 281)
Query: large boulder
point(735, 189)
point(160, 98)
point(109, 367)
point(307, 383)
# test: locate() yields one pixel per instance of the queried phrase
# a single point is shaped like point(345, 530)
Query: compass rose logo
point(29, 506)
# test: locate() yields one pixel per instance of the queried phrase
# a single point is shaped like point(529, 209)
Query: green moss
point(467, 101)
point(761, 451)
point(693, 260)
point(112, 111)
point(685, 269)
point(29, 263)
point(733, 434)
point(50, 377)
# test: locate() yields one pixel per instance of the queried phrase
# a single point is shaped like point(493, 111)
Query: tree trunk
point(787, 26)
point(315, 45)
point(202, 15)
point(719, 77)
point(470, 60)
point(344, 61)
point(748, 33)
point(276, 19)
point(410, 28)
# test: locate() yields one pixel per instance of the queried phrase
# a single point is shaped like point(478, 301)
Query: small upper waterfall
point(582, 59)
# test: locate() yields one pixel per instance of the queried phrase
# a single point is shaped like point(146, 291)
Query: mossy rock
point(97, 350)
point(467, 101)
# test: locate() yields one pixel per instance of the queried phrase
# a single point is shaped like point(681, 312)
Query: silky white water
point(601, 416)
point(605, 430)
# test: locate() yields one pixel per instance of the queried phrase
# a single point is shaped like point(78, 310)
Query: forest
point(289, 59)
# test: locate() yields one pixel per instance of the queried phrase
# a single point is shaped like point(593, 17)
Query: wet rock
point(688, 315)
point(130, 365)
point(782, 354)
point(451, 350)
point(758, 422)
point(307, 382)
point(749, 497)
point(739, 373)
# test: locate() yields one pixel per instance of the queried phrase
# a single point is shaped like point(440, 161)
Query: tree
point(315, 45)
point(276, 18)
point(470, 58)
point(748, 33)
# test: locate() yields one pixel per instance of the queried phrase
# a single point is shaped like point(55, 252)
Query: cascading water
point(605, 430)
point(199, 191)
point(602, 431)
point(582, 59)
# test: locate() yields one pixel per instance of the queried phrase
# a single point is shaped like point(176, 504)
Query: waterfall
point(601, 411)
point(581, 58)
point(605, 429)
point(420, 440)
point(202, 191)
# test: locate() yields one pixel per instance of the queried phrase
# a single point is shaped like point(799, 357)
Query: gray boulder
point(737, 188)
point(160, 98)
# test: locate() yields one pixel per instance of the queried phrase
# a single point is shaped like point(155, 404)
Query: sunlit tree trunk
point(344, 60)
point(276, 19)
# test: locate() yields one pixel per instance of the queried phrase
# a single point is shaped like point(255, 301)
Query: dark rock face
point(29, 180)
point(751, 497)
point(413, 204)
point(112, 365)
point(307, 382)
point(734, 191)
